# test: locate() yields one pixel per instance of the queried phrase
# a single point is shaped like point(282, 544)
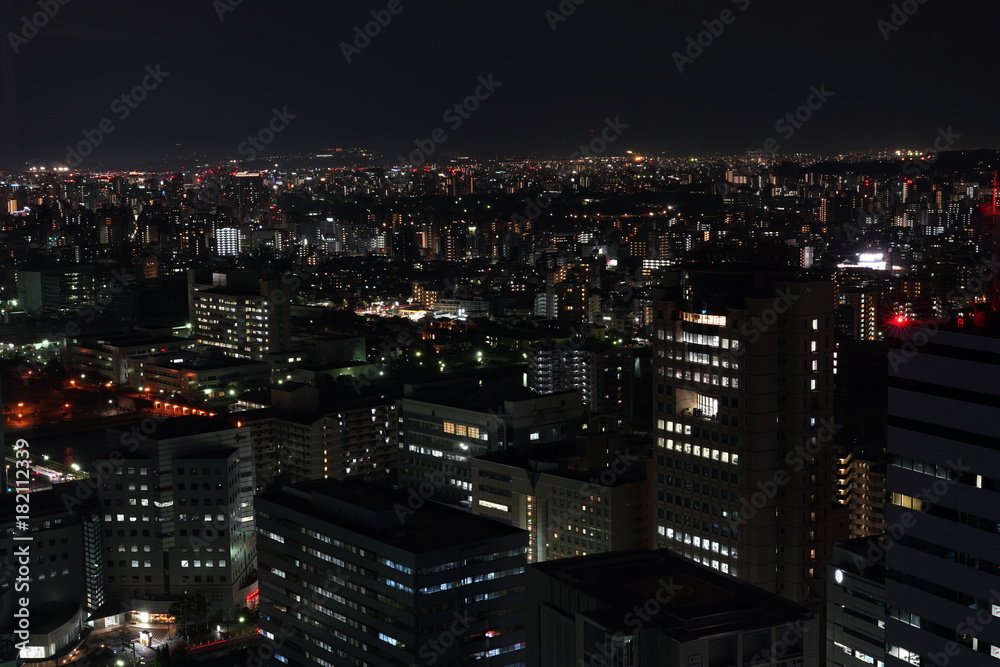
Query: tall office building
point(245, 315)
point(355, 574)
point(942, 580)
point(743, 389)
point(178, 515)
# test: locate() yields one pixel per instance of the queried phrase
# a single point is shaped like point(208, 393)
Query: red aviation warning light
point(991, 226)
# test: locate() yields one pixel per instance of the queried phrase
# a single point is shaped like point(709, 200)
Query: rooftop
point(555, 459)
point(178, 427)
point(700, 602)
point(386, 516)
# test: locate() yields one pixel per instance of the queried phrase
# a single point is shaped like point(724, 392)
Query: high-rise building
point(227, 242)
point(942, 578)
point(306, 433)
point(245, 315)
point(249, 193)
point(441, 434)
point(355, 574)
point(651, 608)
point(861, 486)
point(355, 441)
point(604, 375)
point(856, 612)
point(743, 407)
point(860, 313)
point(178, 515)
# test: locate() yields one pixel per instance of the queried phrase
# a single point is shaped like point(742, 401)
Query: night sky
point(605, 60)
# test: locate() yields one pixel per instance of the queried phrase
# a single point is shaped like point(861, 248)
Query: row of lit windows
point(698, 450)
point(705, 378)
point(699, 542)
point(464, 431)
point(863, 657)
point(494, 506)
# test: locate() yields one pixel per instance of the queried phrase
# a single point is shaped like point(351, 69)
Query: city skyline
point(529, 334)
point(557, 84)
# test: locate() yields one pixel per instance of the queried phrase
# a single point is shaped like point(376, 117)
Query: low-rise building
point(443, 427)
point(115, 356)
point(573, 500)
point(196, 378)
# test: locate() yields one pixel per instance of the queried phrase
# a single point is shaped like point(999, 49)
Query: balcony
point(698, 413)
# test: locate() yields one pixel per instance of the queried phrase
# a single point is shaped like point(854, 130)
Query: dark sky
point(607, 59)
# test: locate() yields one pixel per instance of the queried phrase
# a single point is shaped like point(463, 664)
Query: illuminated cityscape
point(380, 335)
